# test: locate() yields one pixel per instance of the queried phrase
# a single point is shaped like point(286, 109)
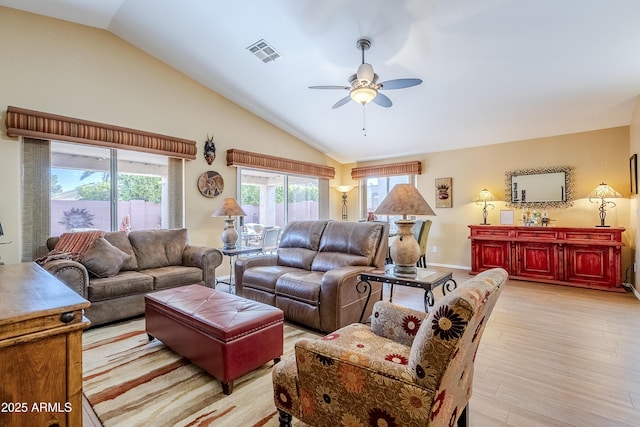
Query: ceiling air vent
point(264, 51)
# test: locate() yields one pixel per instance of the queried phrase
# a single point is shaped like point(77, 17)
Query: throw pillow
point(103, 259)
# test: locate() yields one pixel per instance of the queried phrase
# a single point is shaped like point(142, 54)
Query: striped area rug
point(131, 381)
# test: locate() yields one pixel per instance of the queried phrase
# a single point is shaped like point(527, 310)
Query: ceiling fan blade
point(382, 100)
point(400, 83)
point(330, 87)
point(341, 102)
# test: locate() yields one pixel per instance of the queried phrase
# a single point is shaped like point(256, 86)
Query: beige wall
point(72, 70)
point(597, 156)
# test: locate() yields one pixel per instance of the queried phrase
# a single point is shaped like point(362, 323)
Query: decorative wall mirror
point(548, 187)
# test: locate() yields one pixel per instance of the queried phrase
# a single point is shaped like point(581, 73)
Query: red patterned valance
point(278, 164)
point(35, 124)
point(390, 169)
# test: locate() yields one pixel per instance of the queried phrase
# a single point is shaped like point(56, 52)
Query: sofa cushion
point(124, 284)
point(174, 275)
point(299, 243)
point(158, 248)
point(264, 277)
point(345, 244)
point(120, 240)
point(300, 285)
point(103, 259)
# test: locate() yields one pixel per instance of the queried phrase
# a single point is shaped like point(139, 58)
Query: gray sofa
point(313, 275)
point(119, 269)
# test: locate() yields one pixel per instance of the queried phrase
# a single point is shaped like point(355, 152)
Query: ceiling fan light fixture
point(363, 95)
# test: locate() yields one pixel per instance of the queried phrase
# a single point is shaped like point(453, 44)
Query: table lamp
point(405, 199)
point(482, 199)
point(229, 209)
point(598, 195)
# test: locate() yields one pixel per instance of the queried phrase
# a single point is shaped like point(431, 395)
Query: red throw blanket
point(72, 246)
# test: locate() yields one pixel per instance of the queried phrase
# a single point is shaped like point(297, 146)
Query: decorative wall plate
point(210, 184)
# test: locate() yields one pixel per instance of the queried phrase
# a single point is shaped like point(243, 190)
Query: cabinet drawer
point(537, 234)
point(591, 236)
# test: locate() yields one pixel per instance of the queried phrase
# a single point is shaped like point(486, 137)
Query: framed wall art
point(444, 192)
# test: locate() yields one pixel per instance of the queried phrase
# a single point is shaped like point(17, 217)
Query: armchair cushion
point(103, 259)
point(395, 322)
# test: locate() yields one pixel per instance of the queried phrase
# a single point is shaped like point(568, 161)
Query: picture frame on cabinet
point(633, 173)
point(506, 217)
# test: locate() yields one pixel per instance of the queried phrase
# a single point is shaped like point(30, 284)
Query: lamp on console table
point(404, 199)
point(482, 199)
point(229, 209)
point(598, 195)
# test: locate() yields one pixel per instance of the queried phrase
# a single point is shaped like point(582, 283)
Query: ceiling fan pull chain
point(364, 120)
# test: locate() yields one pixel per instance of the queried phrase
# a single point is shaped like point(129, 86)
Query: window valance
point(390, 169)
point(278, 164)
point(35, 124)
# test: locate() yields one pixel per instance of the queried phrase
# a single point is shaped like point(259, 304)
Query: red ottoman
point(224, 334)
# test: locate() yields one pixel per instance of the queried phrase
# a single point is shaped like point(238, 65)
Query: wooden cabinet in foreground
point(41, 324)
point(584, 257)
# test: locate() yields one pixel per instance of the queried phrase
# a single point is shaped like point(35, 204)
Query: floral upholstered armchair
point(407, 369)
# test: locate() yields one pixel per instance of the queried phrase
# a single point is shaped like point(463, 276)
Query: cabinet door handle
point(67, 317)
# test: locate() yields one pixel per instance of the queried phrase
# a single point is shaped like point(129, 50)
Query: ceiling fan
point(364, 84)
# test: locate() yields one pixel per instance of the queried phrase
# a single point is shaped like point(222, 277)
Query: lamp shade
point(604, 191)
point(229, 207)
point(344, 188)
point(484, 196)
point(404, 199)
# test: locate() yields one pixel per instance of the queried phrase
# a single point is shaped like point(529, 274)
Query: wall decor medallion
point(444, 192)
point(211, 184)
point(209, 150)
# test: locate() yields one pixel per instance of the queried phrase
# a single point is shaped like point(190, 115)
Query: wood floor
point(550, 356)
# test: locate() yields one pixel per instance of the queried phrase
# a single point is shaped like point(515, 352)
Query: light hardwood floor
point(551, 356)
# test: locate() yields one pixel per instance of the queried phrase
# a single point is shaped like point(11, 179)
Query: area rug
point(131, 381)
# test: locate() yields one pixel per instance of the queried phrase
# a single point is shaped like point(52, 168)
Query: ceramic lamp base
point(405, 250)
point(229, 234)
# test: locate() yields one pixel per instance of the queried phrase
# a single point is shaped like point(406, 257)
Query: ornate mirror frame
point(568, 170)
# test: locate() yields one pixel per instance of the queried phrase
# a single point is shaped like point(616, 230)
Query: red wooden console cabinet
point(584, 257)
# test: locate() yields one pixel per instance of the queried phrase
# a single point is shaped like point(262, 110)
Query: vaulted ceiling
point(493, 70)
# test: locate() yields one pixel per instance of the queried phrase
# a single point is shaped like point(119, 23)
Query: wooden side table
point(41, 324)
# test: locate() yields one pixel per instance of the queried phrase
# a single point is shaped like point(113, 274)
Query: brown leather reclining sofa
point(313, 275)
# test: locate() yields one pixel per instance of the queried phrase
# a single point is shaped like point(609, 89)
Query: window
point(375, 189)
point(263, 195)
point(106, 189)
